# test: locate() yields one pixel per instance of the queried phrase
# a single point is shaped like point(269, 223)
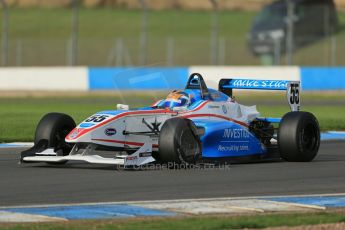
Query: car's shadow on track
point(151, 167)
point(74, 166)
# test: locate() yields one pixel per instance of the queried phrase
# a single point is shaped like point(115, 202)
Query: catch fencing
point(215, 39)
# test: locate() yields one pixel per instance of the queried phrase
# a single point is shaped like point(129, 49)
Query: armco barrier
point(159, 78)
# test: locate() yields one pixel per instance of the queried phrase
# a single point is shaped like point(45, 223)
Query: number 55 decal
point(293, 92)
point(96, 118)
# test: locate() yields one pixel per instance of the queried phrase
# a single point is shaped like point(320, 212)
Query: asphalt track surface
point(32, 184)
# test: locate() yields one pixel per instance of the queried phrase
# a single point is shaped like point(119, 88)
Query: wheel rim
point(309, 137)
point(188, 145)
point(60, 140)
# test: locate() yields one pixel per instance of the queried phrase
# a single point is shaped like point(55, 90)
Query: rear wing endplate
point(292, 88)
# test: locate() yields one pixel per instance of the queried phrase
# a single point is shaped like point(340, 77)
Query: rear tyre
point(178, 142)
point(298, 137)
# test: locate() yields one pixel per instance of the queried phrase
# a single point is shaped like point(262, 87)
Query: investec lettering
point(235, 133)
point(258, 83)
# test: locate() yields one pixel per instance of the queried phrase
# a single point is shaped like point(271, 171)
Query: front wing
point(141, 157)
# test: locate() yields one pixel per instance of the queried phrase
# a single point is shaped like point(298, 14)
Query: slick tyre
point(178, 142)
point(298, 137)
point(52, 130)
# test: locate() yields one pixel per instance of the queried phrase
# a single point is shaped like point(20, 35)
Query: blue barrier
point(322, 78)
point(137, 78)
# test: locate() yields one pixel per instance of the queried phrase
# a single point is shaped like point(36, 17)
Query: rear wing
point(292, 88)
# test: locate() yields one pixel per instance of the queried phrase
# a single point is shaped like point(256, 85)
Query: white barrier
point(44, 78)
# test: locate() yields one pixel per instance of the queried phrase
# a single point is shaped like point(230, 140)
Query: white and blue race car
point(191, 126)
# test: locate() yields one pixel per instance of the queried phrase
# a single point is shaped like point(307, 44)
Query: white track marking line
point(16, 145)
point(22, 143)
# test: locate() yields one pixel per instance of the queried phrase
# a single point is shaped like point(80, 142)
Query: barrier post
point(4, 39)
point(74, 33)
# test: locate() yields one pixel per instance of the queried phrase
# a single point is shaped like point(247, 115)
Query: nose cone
point(75, 133)
point(84, 131)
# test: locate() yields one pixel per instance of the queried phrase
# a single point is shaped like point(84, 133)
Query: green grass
point(42, 35)
point(329, 117)
point(205, 223)
point(19, 115)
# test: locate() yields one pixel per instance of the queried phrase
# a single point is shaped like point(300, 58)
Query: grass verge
point(20, 114)
point(201, 222)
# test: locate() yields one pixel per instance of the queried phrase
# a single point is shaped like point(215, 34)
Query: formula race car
point(191, 126)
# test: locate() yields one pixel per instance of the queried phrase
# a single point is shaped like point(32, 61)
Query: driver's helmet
point(177, 99)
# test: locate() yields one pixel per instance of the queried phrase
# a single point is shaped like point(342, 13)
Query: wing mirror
point(122, 107)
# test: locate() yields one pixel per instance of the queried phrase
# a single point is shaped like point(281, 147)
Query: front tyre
point(298, 137)
point(178, 142)
point(50, 133)
point(54, 127)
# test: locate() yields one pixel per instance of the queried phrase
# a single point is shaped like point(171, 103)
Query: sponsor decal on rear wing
point(257, 84)
point(292, 88)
